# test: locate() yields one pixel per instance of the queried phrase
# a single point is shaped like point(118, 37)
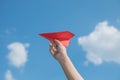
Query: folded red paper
point(64, 37)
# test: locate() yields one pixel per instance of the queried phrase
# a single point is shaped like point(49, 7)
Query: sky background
point(94, 50)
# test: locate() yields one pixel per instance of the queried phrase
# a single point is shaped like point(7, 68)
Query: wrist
point(64, 59)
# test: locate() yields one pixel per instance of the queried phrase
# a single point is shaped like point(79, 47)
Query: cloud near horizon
point(18, 55)
point(102, 45)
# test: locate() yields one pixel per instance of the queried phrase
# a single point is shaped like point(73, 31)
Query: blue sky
point(94, 50)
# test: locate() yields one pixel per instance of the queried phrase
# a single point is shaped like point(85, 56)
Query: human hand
point(57, 50)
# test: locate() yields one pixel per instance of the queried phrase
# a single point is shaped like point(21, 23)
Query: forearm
point(69, 69)
point(59, 53)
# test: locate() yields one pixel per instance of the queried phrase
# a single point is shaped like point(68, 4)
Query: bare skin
point(58, 51)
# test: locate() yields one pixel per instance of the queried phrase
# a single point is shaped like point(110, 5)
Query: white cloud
point(18, 54)
point(8, 75)
point(102, 45)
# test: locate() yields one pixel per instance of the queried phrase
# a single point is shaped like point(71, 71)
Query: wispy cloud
point(8, 75)
point(18, 55)
point(10, 31)
point(102, 45)
point(118, 20)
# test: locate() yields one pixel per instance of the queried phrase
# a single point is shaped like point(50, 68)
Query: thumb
point(58, 42)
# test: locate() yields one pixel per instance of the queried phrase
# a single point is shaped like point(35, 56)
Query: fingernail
point(55, 40)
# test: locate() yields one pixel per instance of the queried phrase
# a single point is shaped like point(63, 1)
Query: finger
point(50, 44)
point(54, 49)
point(54, 44)
point(52, 52)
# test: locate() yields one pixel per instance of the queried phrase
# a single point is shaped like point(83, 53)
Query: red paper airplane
point(64, 37)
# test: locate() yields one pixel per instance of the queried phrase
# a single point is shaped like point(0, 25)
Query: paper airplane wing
point(64, 37)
